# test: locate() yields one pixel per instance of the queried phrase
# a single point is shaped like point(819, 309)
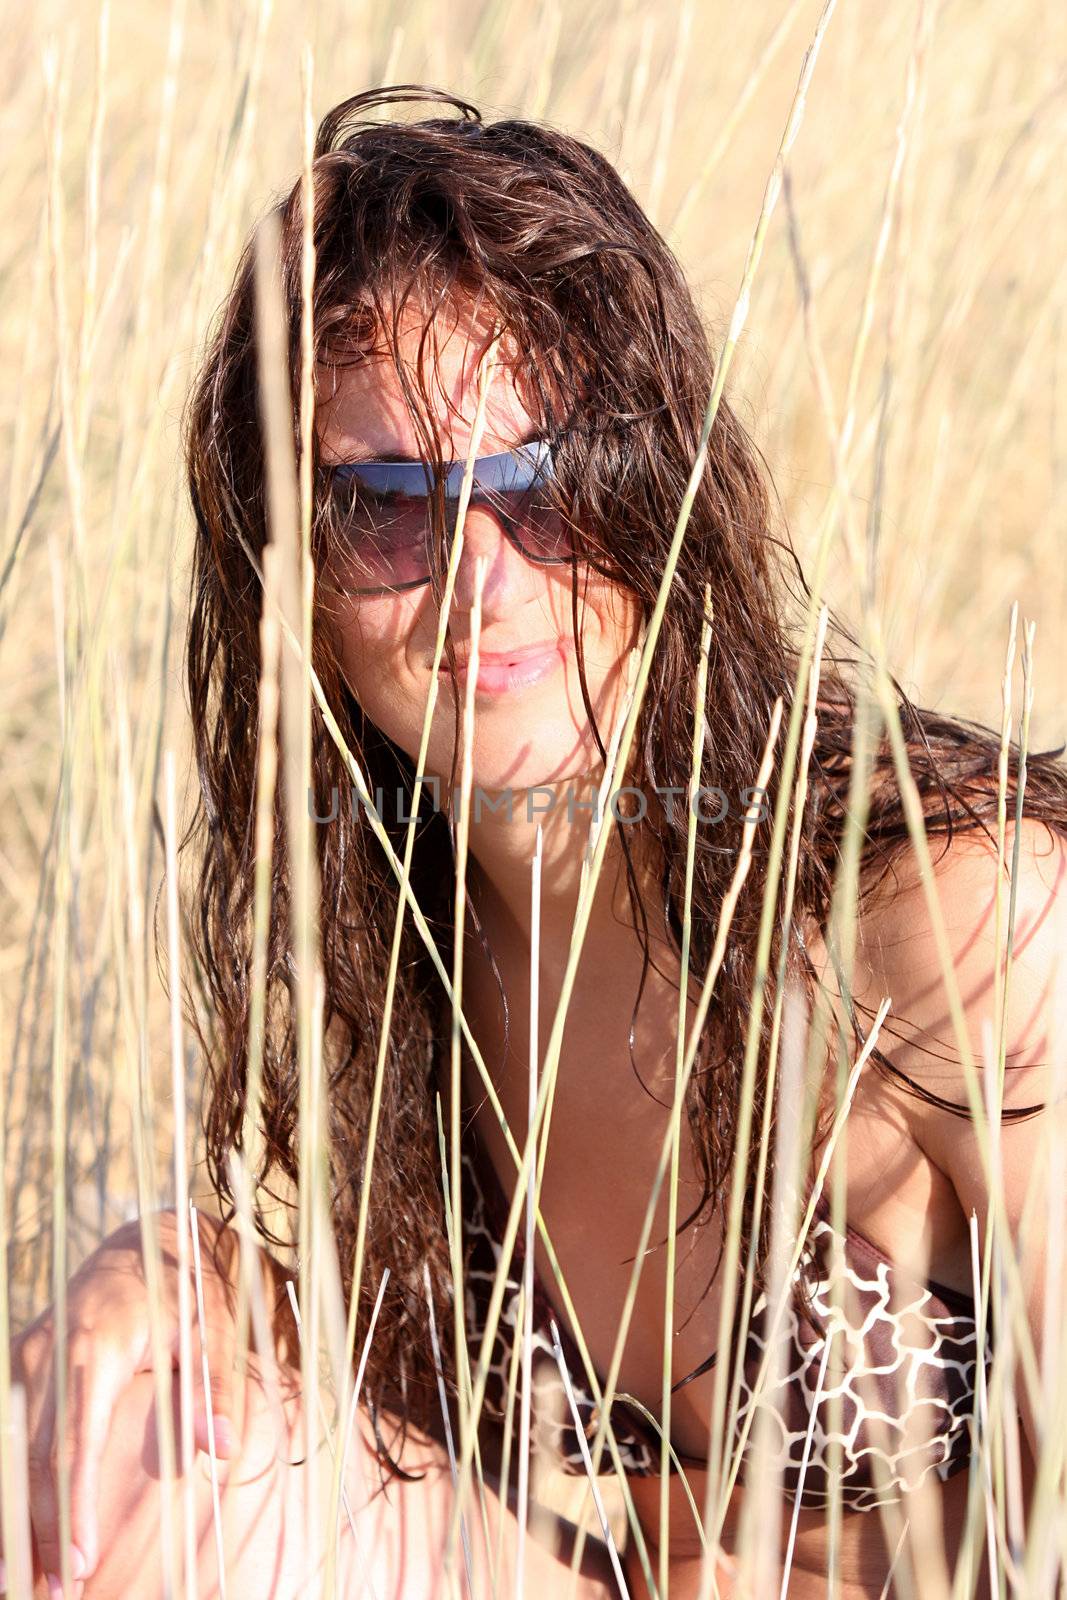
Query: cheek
point(372, 641)
point(372, 631)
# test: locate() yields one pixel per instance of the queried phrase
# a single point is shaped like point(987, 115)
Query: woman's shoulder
point(964, 871)
point(906, 1145)
point(956, 1022)
point(933, 940)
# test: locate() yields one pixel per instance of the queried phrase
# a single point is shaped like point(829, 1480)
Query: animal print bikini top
point(884, 1340)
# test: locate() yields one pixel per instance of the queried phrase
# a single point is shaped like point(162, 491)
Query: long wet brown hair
point(538, 227)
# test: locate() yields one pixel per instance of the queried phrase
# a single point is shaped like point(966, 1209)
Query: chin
point(519, 763)
point(523, 765)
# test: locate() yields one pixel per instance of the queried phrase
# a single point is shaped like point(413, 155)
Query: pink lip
point(504, 671)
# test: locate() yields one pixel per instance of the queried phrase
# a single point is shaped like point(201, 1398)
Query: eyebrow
point(392, 458)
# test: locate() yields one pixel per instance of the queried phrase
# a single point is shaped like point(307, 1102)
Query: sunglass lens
point(535, 523)
point(383, 539)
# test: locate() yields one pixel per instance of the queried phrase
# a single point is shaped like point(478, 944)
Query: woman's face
point(531, 726)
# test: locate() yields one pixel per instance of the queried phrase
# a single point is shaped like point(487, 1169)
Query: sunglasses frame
point(507, 471)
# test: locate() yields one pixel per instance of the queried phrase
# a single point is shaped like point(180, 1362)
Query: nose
point(510, 579)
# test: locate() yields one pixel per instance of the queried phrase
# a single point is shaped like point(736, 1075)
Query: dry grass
point(902, 365)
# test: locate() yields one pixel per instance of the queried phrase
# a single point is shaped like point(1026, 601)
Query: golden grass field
point(922, 214)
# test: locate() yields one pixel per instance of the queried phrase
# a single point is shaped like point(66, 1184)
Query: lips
point(506, 672)
point(502, 658)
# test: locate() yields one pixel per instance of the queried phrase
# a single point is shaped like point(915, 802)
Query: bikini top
point(888, 1338)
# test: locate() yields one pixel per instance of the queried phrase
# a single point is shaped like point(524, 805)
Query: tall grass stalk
point(213, 1465)
point(727, 130)
point(453, 1235)
point(450, 1446)
point(266, 785)
point(455, 1110)
point(16, 1487)
point(780, 1217)
point(1045, 1525)
point(696, 765)
point(761, 1512)
point(90, 426)
point(287, 530)
point(181, 1177)
point(142, 1102)
point(69, 626)
point(351, 1424)
point(524, 1341)
point(250, 1290)
point(583, 1447)
point(842, 933)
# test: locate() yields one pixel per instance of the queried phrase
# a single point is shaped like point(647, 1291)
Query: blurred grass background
point(140, 143)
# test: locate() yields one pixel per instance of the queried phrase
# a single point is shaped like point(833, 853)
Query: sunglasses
point(382, 511)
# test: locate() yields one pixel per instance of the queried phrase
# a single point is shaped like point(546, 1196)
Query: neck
point(503, 841)
point(612, 967)
point(499, 890)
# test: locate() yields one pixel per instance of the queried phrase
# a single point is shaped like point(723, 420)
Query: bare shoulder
point(913, 1166)
point(975, 961)
point(939, 950)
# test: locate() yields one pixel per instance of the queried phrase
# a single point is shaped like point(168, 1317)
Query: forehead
point(362, 411)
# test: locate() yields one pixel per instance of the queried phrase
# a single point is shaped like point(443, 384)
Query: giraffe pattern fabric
point(890, 1341)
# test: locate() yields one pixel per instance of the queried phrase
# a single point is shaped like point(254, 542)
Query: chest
point(609, 1125)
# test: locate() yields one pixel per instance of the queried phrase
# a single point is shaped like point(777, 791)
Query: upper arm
point(900, 958)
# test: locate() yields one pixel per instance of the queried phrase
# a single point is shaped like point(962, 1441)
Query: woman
point(431, 238)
